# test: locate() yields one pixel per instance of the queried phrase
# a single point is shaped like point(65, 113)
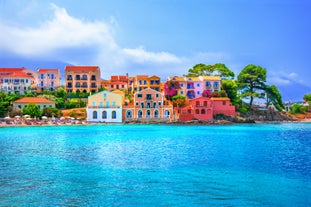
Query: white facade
point(104, 106)
point(110, 115)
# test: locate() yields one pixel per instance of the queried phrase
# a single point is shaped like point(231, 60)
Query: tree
point(231, 88)
point(32, 110)
point(50, 111)
point(251, 81)
point(179, 100)
point(298, 109)
point(307, 97)
point(206, 70)
point(60, 93)
point(274, 97)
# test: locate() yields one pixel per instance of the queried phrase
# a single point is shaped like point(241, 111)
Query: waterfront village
point(83, 97)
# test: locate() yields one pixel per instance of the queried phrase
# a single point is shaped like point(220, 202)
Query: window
point(140, 114)
point(140, 82)
point(42, 76)
point(156, 114)
point(166, 113)
point(208, 84)
point(216, 85)
point(101, 104)
point(148, 114)
point(93, 103)
point(94, 114)
point(203, 111)
point(198, 84)
point(128, 114)
point(148, 96)
point(104, 114)
point(107, 104)
point(197, 111)
point(114, 115)
point(181, 92)
point(105, 95)
point(142, 104)
point(52, 76)
point(198, 92)
point(113, 103)
point(205, 103)
point(19, 106)
point(197, 103)
point(145, 82)
point(157, 95)
point(160, 103)
point(224, 103)
point(44, 106)
point(154, 104)
point(181, 85)
point(41, 84)
point(52, 83)
point(137, 103)
point(139, 95)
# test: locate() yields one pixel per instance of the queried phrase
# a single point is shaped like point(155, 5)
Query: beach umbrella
point(62, 118)
point(26, 116)
point(17, 117)
point(7, 117)
point(44, 117)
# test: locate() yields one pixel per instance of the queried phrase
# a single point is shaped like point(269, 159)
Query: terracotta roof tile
point(41, 70)
point(220, 99)
point(76, 68)
point(33, 100)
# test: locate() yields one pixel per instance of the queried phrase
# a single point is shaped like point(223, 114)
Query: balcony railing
point(101, 107)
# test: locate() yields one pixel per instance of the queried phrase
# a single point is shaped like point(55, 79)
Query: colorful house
point(115, 82)
point(48, 79)
point(204, 108)
point(223, 106)
point(39, 101)
point(193, 87)
point(141, 82)
point(148, 104)
point(17, 80)
point(82, 79)
point(104, 106)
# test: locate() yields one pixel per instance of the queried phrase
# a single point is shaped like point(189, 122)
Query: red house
point(203, 108)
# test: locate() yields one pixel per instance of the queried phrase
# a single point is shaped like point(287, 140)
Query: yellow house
point(104, 106)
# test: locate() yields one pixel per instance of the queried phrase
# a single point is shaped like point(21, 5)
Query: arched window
point(197, 111)
point(140, 114)
point(202, 111)
point(156, 114)
point(129, 114)
point(166, 113)
point(114, 115)
point(94, 114)
point(148, 113)
point(104, 114)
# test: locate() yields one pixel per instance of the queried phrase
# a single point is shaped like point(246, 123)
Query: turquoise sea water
point(156, 165)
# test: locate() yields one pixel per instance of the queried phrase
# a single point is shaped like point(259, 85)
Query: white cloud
point(66, 38)
point(282, 78)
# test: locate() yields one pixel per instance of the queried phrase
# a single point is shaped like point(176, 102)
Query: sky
point(161, 37)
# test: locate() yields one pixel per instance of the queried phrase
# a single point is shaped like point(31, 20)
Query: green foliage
point(243, 109)
point(298, 109)
point(15, 112)
point(252, 81)
point(179, 100)
point(73, 113)
point(231, 89)
point(32, 110)
point(307, 97)
point(60, 103)
point(61, 93)
point(50, 111)
point(207, 70)
point(274, 97)
point(75, 103)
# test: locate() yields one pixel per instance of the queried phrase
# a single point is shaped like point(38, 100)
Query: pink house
point(223, 106)
point(203, 108)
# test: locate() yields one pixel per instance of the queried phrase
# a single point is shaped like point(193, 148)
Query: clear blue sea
point(156, 165)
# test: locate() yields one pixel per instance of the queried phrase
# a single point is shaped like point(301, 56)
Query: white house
point(104, 106)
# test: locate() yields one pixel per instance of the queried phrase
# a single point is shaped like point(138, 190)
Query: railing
point(104, 107)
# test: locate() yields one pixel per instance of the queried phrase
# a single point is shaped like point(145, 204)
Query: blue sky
point(162, 37)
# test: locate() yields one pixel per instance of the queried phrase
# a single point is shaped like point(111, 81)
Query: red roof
point(75, 68)
point(16, 75)
point(34, 100)
point(220, 99)
point(117, 82)
point(11, 70)
point(41, 70)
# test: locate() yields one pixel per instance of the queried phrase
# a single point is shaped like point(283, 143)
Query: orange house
point(82, 79)
point(148, 104)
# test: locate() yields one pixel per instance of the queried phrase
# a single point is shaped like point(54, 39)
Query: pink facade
point(223, 106)
point(204, 108)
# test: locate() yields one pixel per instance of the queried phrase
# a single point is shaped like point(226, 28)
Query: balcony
point(190, 86)
point(93, 86)
point(69, 86)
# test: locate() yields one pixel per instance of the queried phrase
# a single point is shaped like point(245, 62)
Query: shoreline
point(189, 123)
